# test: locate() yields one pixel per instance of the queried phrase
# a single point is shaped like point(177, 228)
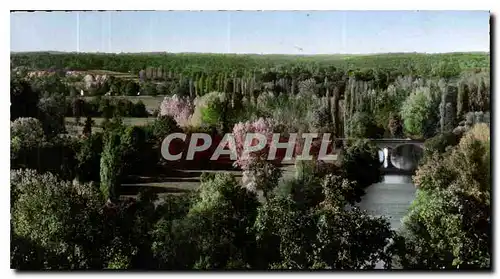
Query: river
point(390, 198)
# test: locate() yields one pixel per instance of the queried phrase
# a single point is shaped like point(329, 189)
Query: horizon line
point(246, 53)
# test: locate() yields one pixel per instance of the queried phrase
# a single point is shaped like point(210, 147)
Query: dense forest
point(70, 209)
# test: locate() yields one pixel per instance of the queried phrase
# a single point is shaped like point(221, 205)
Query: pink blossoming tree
point(240, 130)
point(180, 109)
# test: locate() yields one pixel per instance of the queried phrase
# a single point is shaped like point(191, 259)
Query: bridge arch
point(406, 156)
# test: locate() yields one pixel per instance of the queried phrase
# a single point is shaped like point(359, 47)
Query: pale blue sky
point(252, 32)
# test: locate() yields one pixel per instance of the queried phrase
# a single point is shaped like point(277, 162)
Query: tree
point(217, 223)
point(395, 126)
point(58, 217)
point(360, 163)
point(139, 110)
point(133, 144)
point(131, 88)
point(89, 157)
point(52, 111)
point(261, 175)
point(78, 107)
point(322, 120)
point(295, 235)
point(420, 113)
point(23, 100)
point(111, 167)
point(26, 132)
point(285, 235)
point(440, 143)
point(362, 125)
point(240, 130)
point(162, 127)
point(179, 108)
point(343, 245)
point(449, 223)
point(106, 108)
point(218, 112)
point(166, 88)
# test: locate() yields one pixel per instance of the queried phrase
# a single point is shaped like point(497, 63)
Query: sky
point(285, 32)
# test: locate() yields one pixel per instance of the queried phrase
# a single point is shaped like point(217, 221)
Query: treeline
point(105, 107)
point(197, 74)
point(192, 64)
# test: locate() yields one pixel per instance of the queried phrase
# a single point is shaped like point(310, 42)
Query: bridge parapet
point(390, 143)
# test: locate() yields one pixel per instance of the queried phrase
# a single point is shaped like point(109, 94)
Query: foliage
point(472, 118)
point(57, 217)
point(362, 125)
point(240, 131)
point(179, 108)
point(322, 120)
point(23, 100)
point(309, 222)
point(162, 127)
point(440, 143)
point(291, 114)
point(110, 171)
point(56, 155)
point(293, 236)
point(209, 109)
point(360, 163)
point(419, 113)
point(51, 114)
point(218, 112)
point(89, 157)
point(395, 126)
point(25, 133)
point(449, 223)
point(261, 175)
point(87, 126)
point(217, 223)
point(344, 246)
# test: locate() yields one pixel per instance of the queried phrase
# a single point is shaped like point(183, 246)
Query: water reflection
point(381, 156)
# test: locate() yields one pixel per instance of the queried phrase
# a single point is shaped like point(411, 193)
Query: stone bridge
point(399, 154)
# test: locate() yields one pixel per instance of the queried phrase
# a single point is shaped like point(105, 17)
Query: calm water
point(390, 198)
